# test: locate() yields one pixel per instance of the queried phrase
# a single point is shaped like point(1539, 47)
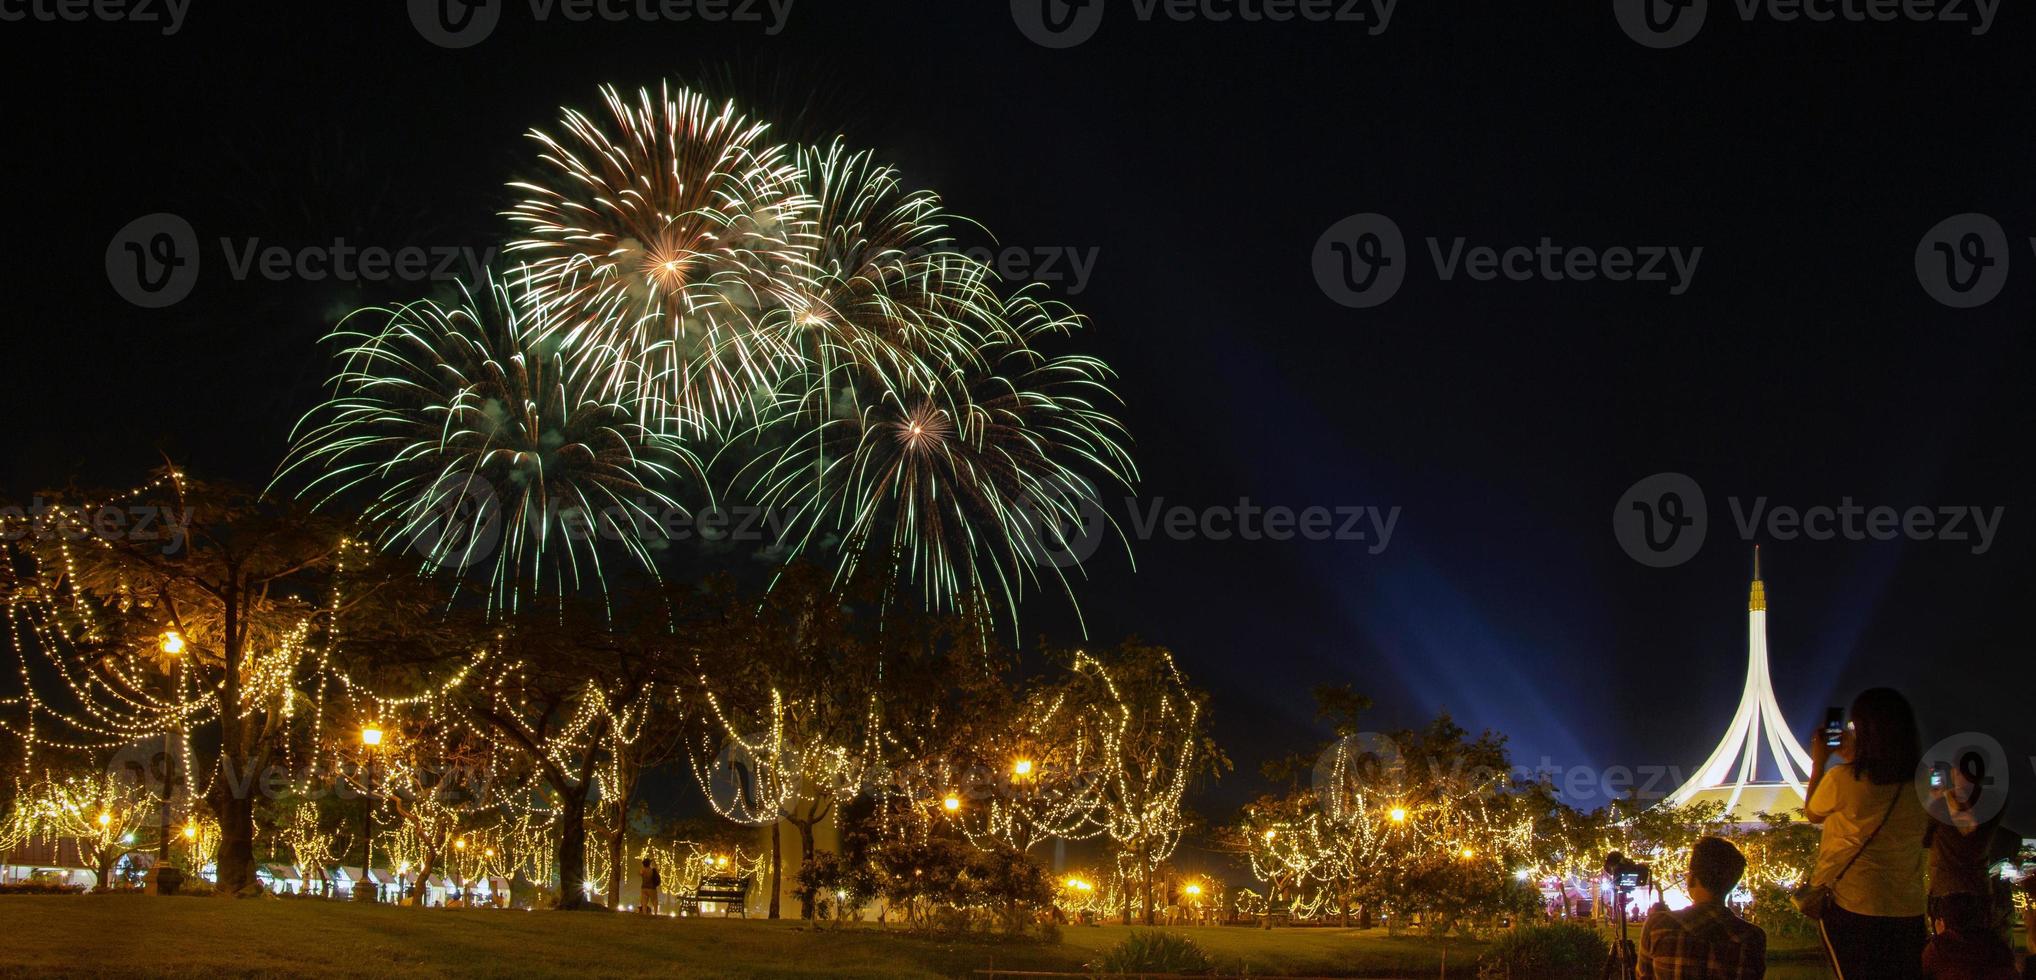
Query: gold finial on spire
point(1757, 601)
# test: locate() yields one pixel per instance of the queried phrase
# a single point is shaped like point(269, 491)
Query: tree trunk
point(777, 869)
point(805, 858)
point(1145, 863)
point(572, 852)
point(615, 868)
point(424, 870)
point(234, 800)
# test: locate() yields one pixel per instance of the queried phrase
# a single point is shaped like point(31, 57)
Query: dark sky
point(1202, 161)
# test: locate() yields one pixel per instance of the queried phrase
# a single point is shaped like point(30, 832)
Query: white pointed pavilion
point(1732, 775)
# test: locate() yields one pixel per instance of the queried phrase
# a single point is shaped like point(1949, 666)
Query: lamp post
point(364, 891)
point(168, 880)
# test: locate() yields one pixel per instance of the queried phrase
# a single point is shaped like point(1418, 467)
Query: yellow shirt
point(1887, 880)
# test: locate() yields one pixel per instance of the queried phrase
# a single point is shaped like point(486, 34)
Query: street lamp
point(364, 891)
point(1022, 768)
point(171, 643)
point(952, 803)
point(1398, 814)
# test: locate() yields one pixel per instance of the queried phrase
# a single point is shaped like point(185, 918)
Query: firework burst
point(802, 313)
point(982, 485)
point(664, 226)
point(483, 433)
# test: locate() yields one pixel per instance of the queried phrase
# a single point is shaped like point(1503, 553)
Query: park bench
point(732, 892)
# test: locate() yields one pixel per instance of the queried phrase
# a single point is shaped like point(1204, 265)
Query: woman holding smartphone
point(1862, 793)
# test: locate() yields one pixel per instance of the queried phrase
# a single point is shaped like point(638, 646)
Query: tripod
point(1623, 963)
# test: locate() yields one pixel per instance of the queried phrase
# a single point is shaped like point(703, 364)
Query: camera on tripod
point(1627, 875)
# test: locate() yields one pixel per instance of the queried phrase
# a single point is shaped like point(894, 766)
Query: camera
point(1627, 875)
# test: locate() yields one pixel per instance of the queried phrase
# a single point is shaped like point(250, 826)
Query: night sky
point(1201, 162)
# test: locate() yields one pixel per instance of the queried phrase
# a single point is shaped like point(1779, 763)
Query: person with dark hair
point(1706, 941)
point(1964, 842)
point(1871, 854)
point(647, 904)
point(1968, 948)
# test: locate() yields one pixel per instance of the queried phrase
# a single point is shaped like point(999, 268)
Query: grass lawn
point(217, 938)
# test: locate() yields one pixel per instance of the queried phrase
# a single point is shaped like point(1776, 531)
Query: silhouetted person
point(647, 904)
point(1969, 948)
point(1871, 855)
point(1707, 941)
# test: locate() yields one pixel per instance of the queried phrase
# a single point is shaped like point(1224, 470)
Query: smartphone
point(1834, 727)
point(1940, 775)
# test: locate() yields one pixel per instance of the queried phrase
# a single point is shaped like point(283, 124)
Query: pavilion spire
point(1732, 773)
point(1756, 601)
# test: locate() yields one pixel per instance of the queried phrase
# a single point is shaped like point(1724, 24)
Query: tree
point(555, 682)
point(237, 587)
point(103, 816)
point(1155, 744)
point(792, 692)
